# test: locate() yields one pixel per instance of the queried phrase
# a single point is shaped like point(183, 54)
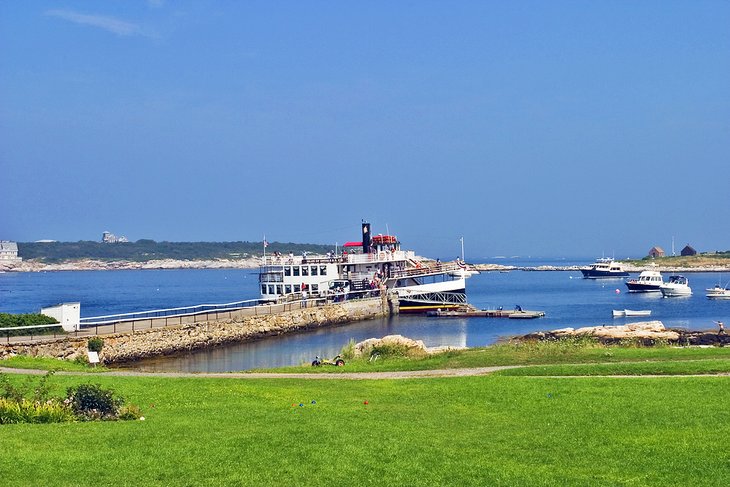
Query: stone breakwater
point(126, 347)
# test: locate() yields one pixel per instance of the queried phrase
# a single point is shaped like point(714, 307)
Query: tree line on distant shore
point(146, 250)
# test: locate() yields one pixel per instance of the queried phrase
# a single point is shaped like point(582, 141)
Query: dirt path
point(405, 374)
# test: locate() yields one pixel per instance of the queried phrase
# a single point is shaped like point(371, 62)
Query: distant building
point(655, 252)
point(688, 250)
point(9, 252)
point(109, 237)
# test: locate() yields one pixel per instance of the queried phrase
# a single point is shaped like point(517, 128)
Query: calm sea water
point(567, 299)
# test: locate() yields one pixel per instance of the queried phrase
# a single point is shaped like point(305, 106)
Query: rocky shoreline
point(646, 333)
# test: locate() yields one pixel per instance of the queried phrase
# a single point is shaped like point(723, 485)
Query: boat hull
point(671, 292)
point(598, 274)
point(637, 287)
point(718, 294)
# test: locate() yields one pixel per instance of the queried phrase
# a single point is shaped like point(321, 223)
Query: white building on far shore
point(9, 252)
point(109, 237)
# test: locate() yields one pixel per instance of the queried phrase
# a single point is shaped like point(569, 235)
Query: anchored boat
point(621, 313)
point(604, 268)
point(676, 286)
point(366, 268)
point(649, 281)
point(718, 292)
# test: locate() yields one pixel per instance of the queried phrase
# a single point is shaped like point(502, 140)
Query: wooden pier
point(472, 312)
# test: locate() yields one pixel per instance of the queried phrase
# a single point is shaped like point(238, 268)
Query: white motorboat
point(718, 292)
point(621, 313)
point(648, 281)
point(676, 286)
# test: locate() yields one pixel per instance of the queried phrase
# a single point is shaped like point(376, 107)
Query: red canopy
point(353, 244)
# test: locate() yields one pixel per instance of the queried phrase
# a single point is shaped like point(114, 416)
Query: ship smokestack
point(365, 238)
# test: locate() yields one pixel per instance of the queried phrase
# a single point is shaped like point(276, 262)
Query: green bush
point(26, 411)
point(39, 392)
point(385, 350)
point(91, 401)
point(8, 320)
point(95, 344)
point(348, 351)
point(30, 402)
point(130, 412)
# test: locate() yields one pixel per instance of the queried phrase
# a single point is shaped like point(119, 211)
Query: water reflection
point(568, 301)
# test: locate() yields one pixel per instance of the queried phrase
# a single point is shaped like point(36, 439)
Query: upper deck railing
point(397, 255)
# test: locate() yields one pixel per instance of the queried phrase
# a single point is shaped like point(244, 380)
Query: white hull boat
point(649, 281)
point(675, 287)
point(621, 313)
point(718, 292)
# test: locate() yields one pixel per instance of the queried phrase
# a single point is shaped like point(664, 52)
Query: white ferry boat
point(374, 265)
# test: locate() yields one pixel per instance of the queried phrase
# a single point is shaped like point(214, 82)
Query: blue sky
point(559, 128)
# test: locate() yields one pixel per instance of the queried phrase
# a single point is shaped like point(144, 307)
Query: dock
point(472, 312)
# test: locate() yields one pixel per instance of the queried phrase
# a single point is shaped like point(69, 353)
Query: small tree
point(95, 344)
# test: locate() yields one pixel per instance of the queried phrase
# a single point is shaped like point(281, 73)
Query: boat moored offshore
point(372, 266)
point(648, 281)
point(604, 268)
point(676, 286)
point(718, 292)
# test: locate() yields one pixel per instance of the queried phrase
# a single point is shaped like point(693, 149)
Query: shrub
point(130, 412)
point(348, 351)
point(91, 401)
point(95, 344)
point(30, 402)
point(25, 411)
point(39, 392)
point(385, 350)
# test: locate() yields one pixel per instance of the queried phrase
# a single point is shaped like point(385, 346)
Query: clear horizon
point(530, 128)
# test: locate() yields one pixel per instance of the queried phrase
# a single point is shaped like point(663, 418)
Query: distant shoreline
point(577, 268)
point(254, 262)
point(100, 265)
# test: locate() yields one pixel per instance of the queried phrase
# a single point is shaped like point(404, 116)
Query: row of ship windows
point(286, 288)
point(305, 270)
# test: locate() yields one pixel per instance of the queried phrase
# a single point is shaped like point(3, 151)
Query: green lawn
point(684, 367)
point(491, 430)
point(45, 363)
point(534, 353)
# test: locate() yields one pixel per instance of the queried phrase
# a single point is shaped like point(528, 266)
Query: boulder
point(364, 347)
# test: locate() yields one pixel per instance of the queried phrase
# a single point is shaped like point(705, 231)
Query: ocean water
point(566, 298)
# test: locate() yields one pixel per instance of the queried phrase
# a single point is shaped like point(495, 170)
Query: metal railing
point(163, 318)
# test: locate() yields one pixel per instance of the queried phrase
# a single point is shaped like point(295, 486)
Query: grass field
point(493, 430)
point(530, 353)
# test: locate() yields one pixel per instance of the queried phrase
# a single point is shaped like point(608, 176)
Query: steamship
point(366, 268)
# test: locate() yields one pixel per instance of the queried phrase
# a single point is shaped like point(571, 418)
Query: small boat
point(604, 268)
point(676, 286)
point(718, 292)
point(620, 313)
point(648, 281)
